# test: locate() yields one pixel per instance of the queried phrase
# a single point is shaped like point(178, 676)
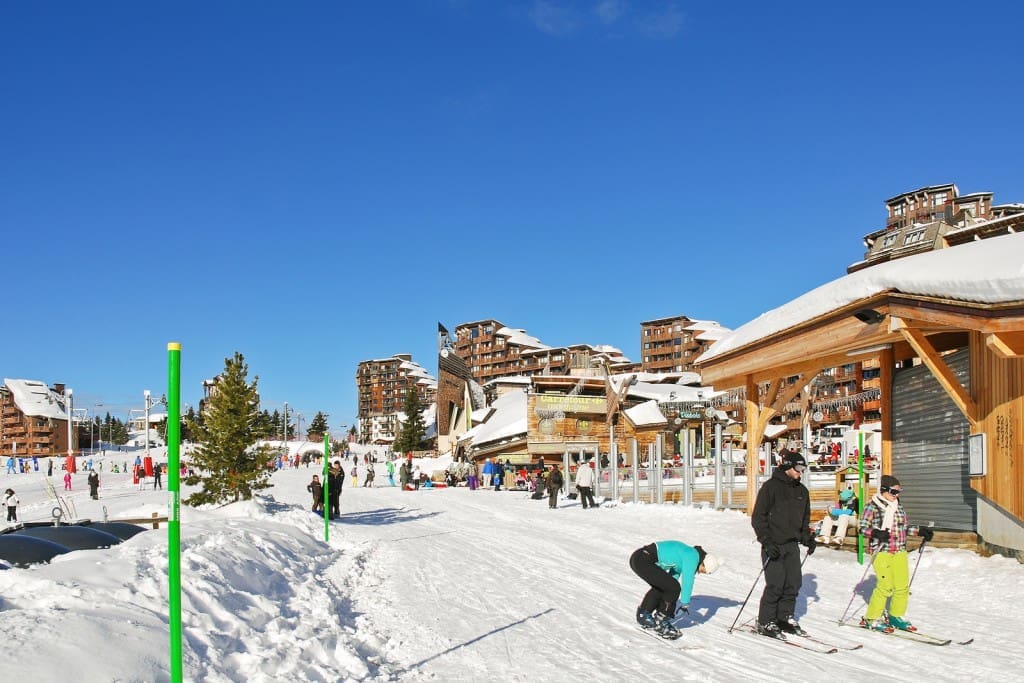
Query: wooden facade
point(900, 328)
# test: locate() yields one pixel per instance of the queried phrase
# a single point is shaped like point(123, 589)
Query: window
point(938, 199)
point(913, 237)
point(899, 210)
point(889, 240)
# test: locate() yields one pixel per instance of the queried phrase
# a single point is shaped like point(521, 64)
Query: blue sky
point(314, 184)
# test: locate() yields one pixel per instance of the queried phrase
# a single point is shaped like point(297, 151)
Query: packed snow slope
point(454, 585)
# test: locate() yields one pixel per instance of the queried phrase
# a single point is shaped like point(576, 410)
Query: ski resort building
point(33, 419)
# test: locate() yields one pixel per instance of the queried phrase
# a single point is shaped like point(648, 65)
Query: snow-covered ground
point(454, 585)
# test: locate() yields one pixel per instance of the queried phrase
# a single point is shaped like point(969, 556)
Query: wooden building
point(382, 384)
point(33, 419)
point(947, 329)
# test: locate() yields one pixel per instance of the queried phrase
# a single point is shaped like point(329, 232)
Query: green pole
point(327, 509)
point(860, 492)
point(173, 521)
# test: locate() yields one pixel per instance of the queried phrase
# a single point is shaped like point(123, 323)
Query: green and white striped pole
point(173, 487)
point(327, 508)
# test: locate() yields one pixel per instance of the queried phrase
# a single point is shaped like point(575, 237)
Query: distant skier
point(94, 485)
point(67, 481)
point(391, 472)
point(157, 477)
point(669, 567)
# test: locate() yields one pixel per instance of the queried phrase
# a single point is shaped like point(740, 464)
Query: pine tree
point(317, 428)
point(413, 431)
point(226, 463)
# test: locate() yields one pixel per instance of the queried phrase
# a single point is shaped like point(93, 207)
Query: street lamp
point(71, 412)
point(284, 431)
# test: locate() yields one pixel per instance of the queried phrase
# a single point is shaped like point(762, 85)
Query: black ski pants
point(782, 580)
point(664, 590)
point(587, 497)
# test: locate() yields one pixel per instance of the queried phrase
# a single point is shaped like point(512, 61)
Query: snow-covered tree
point(226, 463)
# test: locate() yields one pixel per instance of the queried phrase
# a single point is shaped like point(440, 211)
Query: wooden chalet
point(947, 328)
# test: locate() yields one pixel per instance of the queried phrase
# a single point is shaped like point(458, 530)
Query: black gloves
point(880, 535)
point(772, 551)
point(810, 543)
point(926, 533)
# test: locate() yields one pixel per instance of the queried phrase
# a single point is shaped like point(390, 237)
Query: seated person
point(846, 511)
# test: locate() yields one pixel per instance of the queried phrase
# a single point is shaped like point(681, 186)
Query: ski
point(838, 646)
point(912, 636)
point(671, 642)
point(826, 649)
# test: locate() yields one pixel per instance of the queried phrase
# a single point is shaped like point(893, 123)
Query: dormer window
point(913, 237)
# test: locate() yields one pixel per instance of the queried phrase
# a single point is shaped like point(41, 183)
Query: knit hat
point(888, 481)
point(791, 459)
point(708, 561)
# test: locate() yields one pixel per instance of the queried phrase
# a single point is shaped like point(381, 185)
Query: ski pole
point(743, 606)
point(867, 566)
point(920, 552)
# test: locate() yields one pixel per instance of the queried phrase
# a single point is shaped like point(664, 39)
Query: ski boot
point(879, 624)
point(770, 629)
point(666, 629)
point(792, 627)
point(901, 624)
point(646, 620)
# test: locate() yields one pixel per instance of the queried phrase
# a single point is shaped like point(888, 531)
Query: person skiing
point(884, 524)
point(67, 481)
point(94, 485)
point(781, 519)
point(391, 472)
point(355, 475)
point(369, 476)
point(11, 503)
point(669, 568)
point(335, 480)
point(158, 472)
point(317, 489)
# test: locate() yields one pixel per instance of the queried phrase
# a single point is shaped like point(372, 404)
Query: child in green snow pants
point(893, 580)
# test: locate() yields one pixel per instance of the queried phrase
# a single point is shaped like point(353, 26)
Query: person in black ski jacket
point(94, 485)
point(335, 480)
point(781, 520)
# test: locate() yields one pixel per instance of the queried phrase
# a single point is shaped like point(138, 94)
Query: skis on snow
point(913, 636)
point(808, 643)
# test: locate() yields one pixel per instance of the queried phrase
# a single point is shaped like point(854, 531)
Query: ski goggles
point(894, 492)
point(800, 468)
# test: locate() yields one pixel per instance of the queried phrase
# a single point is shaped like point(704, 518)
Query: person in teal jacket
point(669, 568)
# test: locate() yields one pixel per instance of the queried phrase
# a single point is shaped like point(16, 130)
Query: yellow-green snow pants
point(893, 580)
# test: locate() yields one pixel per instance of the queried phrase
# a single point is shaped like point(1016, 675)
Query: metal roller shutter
point(929, 454)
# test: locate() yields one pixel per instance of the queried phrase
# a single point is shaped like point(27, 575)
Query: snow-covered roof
point(35, 399)
point(508, 420)
point(646, 414)
point(521, 338)
point(515, 379)
point(701, 324)
point(987, 271)
point(713, 334)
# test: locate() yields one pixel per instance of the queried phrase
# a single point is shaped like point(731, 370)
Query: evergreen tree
point(226, 464)
point(317, 428)
point(412, 433)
